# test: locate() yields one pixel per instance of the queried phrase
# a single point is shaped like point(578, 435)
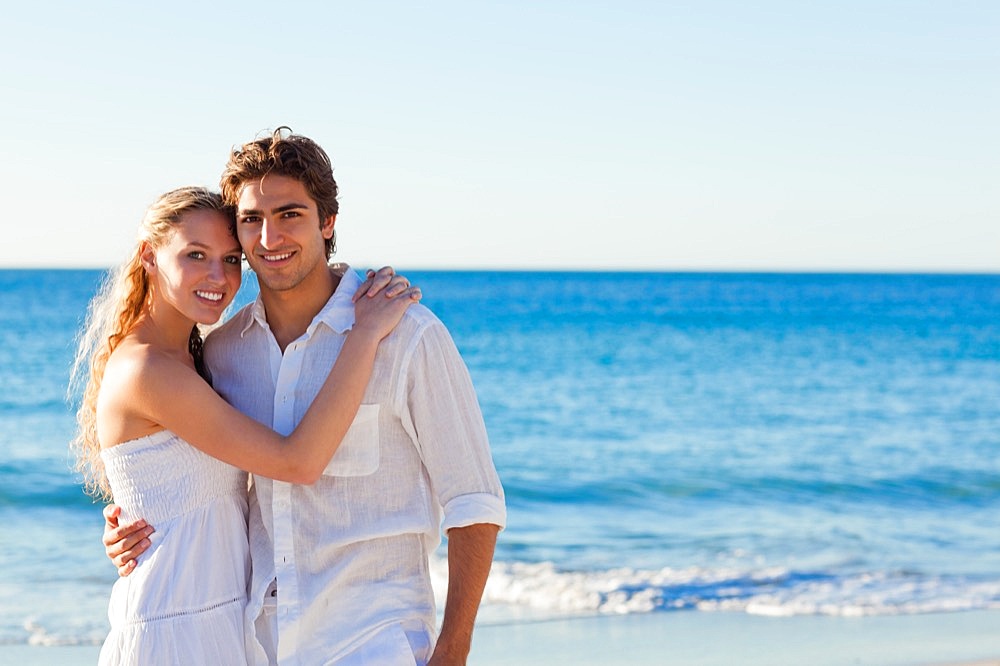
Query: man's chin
point(276, 284)
point(269, 278)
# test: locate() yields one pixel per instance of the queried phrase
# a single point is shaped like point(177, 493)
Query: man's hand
point(124, 543)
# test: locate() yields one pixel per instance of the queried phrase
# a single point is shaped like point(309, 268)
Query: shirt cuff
point(474, 508)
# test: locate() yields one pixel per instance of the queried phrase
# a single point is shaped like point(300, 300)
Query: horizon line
point(617, 269)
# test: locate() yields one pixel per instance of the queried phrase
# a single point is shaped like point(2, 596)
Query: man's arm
point(124, 543)
point(446, 424)
point(470, 555)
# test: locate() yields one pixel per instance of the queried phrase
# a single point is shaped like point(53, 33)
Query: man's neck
point(289, 312)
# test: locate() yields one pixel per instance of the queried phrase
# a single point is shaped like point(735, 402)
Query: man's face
point(278, 225)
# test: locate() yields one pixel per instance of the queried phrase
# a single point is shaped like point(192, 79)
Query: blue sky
point(630, 135)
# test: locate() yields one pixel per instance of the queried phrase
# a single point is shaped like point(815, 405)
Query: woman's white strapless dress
point(184, 602)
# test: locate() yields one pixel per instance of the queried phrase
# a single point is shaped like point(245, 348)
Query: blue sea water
point(778, 444)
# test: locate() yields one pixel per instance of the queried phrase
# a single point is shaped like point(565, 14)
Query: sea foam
point(543, 590)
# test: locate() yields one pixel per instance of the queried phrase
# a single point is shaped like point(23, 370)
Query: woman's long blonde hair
point(113, 313)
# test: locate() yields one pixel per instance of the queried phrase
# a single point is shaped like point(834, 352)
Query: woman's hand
point(377, 316)
point(385, 278)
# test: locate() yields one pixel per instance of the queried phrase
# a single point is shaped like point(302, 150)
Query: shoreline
point(693, 638)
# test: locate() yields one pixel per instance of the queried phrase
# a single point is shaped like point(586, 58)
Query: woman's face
point(197, 270)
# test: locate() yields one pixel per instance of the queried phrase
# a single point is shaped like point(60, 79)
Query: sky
point(855, 136)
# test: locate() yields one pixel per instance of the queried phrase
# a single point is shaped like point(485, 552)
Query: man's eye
point(290, 213)
point(250, 219)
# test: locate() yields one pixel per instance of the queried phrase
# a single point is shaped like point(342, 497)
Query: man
point(340, 568)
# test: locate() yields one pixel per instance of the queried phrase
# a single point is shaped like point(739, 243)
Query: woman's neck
point(164, 328)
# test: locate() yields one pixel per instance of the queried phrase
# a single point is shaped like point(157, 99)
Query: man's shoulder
point(421, 316)
point(417, 321)
point(419, 332)
point(232, 329)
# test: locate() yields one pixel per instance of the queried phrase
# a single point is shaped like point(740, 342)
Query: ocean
point(771, 444)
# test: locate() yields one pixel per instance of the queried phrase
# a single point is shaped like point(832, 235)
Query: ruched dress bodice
point(184, 602)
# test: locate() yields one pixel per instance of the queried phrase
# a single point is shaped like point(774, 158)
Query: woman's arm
point(169, 393)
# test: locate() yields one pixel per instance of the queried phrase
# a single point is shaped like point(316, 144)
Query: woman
point(156, 437)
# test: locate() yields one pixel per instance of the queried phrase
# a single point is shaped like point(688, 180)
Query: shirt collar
point(337, 314)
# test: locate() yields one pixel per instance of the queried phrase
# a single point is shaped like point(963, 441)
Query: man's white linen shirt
point(350, 553)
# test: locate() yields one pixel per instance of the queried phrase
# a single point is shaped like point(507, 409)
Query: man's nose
point(270, 234)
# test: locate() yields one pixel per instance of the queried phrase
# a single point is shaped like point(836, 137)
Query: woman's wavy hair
point(113, 313)
point(285, 154)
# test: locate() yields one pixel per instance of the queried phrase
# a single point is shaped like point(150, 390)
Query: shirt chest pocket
point(358, 454)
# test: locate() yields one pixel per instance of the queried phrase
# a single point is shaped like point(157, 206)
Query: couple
point(365, 465)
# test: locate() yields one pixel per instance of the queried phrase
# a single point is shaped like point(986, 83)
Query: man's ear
point(148, 258)
point(327, 227)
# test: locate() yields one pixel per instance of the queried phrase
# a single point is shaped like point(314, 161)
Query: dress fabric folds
point(184, 602)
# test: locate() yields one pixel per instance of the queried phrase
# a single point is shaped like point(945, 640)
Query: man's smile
point(276, 257)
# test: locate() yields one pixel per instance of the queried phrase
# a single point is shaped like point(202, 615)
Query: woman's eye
point(196, 255)
point(233, 259)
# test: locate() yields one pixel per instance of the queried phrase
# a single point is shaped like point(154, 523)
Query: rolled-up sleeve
point(450, 433)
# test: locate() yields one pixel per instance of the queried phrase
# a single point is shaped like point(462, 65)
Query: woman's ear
point(148, 258)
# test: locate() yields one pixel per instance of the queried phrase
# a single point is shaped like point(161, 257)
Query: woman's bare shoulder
point(137, 378)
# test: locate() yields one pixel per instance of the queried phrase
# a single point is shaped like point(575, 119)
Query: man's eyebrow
point(289, 206)
point(280, 209)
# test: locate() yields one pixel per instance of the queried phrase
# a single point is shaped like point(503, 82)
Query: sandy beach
point(722, 639)
point(700, 639)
